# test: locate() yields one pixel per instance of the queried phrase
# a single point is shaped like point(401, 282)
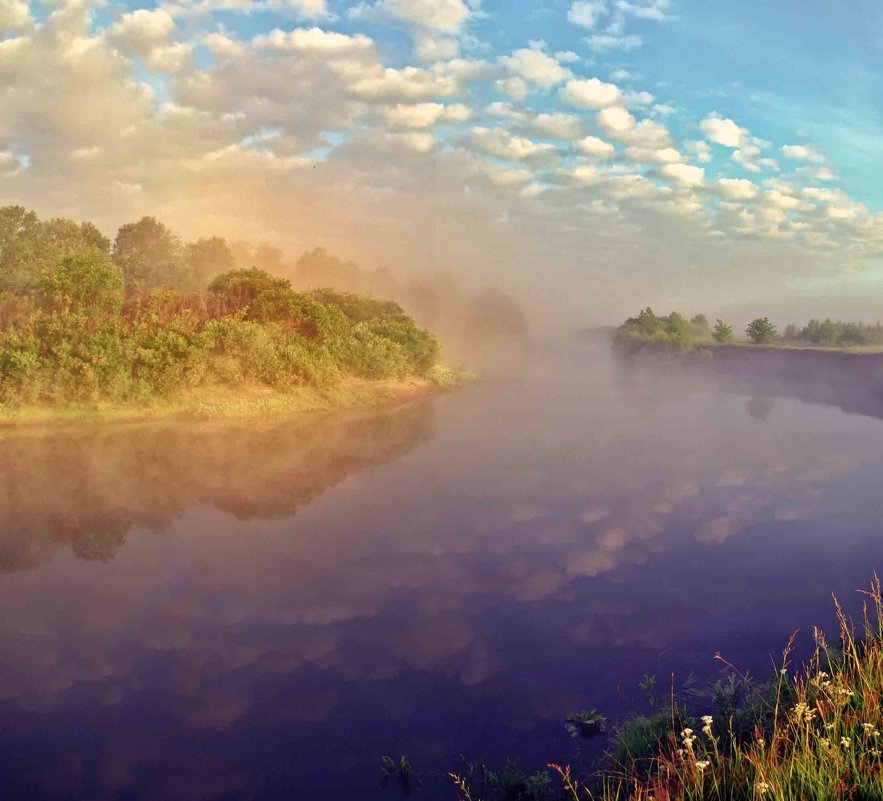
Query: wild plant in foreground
point(816, 736)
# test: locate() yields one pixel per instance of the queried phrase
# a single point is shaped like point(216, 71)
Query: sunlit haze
point(587, 157)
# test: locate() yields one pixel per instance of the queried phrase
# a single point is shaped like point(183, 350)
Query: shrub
point(84, 341)
point(761, 330)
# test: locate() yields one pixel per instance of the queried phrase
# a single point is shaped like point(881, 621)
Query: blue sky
point(592, 150)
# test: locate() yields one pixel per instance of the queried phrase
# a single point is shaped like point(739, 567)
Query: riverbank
point(854, 372)
point(212, 403)
point(807, 733)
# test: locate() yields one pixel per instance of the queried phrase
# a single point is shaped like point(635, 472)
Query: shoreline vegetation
point(807, 733)
point(674, 334)
point(146, 328)
point(236, 402)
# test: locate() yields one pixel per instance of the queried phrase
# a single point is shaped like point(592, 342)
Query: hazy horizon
point(588, 157)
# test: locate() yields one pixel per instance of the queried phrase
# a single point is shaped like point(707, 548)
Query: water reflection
point(552, 542)
point(85, 488)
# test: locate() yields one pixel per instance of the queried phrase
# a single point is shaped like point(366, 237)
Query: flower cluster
point(803, 713)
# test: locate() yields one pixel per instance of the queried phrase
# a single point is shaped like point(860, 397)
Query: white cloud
point(223, 46)
point(590, 93)
point(663, 155)
point(781, 200)
point(647, 133)
point(645, 9)
point(587, 174)
point(148, 35)
point(586, 13)
point(408, 84)
point(514, 87)
point(802, 153)
point(410, 143)
point(567, 57)
point(432, 48)
point(631, 99)
point(724, 131)
point(822, 194)
point(446, 16)
point(316, 40)
point(536, 67)
point(606, 43)
point(555, 126)
point(498, 175)
point(311, 9)
point(502, 145)
point(684, 174)
point(425, 115)
point(14, 14)
point(615, 119)
point(701, 148)
point(747, 156)
point(737, 189)
point(595, 147)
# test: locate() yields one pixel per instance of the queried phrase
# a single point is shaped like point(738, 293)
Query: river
point(261, 610)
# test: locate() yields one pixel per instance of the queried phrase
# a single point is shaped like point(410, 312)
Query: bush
point(761, 330)
point(83, 341)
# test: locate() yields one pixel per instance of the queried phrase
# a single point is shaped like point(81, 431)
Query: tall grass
point(815, 735)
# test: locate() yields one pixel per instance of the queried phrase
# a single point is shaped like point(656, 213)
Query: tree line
point(151, 256)
point(674, 332)
point(85, 319)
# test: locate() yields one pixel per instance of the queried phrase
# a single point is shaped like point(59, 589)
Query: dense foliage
point(722, 333)
point(486, 326)
point(761, 331)
point(675, 334)
point(668, 333)
point(78, 323)
point(834, 333)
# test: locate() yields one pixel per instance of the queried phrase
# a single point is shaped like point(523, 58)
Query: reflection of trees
point(86, 487)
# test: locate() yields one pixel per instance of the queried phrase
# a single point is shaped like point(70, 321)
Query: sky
point(590, 156)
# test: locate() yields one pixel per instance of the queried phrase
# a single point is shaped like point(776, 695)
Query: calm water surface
point(260, 611)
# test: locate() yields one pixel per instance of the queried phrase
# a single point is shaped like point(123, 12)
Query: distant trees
point(207, 258)
point(761, 330)
point(29, 245)
point(722, 332)
point(670, 332)
point(700, 324)
point(674, 330)
point(835, 332)
point(150, 256)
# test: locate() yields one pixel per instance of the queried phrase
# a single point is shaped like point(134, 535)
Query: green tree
point(268, 258)
point(28, 245)
point(700, 324)
point(86, 282)
point(65, 236)
point(761, 330)
point(722, 332)
point(150, 256)
point(207, 258)
point(22, 249)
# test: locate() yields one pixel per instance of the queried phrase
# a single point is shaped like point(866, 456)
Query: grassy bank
point(220, 402)
point(809, 734)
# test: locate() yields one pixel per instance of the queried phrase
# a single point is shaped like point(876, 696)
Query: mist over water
point(260, 611)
